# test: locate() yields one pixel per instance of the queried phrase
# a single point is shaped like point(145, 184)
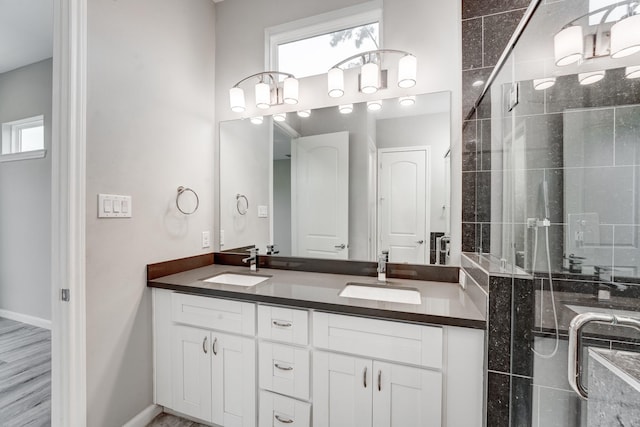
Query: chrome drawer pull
point(204, 345)
point(214, 347)
point(283, 368)
point(281, 324)
point(364, 377)
point(283, 420)
point(380, 380)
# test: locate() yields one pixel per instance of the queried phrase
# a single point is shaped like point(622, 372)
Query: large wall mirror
point(338, 184)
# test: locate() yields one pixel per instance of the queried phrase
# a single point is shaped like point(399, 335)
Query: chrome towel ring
point(181, 191)
point(242, 210)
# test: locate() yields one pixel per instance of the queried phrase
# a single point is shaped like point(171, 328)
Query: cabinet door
point(341, 390)
point(406, 396)
point(191, 371)
point(233, 361)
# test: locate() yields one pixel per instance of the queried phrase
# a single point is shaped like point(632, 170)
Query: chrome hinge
point(65, 295)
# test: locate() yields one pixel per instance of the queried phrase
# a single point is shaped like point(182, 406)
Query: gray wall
point(425, 130)
point(282, 206)
point(25, 199)
point(150, 129)
point(245, 153)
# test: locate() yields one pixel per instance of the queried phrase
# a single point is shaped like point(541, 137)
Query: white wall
point(425, 130)
point(25, 199)
point(429, 29)
point(246, 150)
point(150, 129)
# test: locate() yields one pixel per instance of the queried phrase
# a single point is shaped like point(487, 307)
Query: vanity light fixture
point(568, 45)
point(372, 78)
point(407, 101)
point(304, 113)
point(345, 109)
point(267, 91)
point(257, 120)
point(580, 39)
point(374, 105)
point(625, 37)
point(280, 117)
point(545, 83)
point(591, 77)
point(632, 72)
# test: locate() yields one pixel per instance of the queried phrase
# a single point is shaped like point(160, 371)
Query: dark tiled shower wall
point(487, 26)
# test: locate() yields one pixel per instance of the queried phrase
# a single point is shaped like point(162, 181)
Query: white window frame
point(11, 139)
point(317, 25)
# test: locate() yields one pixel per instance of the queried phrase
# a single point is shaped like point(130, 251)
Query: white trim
point(145, 416)
point(23, 155)
point(324, 23)
point(25, 318)
point(68, 194)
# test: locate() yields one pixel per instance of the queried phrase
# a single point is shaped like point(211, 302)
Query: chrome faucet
point(383, 258)
point(252, 259)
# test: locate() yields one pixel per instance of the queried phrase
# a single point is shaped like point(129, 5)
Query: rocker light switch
point(263, 211)
point(114, 206)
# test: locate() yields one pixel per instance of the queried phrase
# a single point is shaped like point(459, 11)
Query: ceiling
point(26, 32)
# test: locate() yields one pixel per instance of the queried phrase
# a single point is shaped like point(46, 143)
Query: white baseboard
point(24, 318)
point(145, 416)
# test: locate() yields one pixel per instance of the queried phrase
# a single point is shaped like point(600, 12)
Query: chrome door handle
point(420, 242)
point(340, 246)
point(281, 324)
point(379, 379)
point(364, 377)
point(283, 368)
point(283, 420)
point(214, 348)
point(204, 345)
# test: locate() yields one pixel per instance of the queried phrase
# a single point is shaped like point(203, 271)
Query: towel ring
point(181, 191)
point(242, 210)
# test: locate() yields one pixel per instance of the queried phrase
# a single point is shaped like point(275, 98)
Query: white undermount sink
point(237, 279)
point(381, 293)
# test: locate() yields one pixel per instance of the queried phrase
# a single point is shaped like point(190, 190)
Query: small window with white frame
point(23, 139)
point(311, 46)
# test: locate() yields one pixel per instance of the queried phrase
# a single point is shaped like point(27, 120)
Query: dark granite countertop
point(625, 364)
point(442, 303)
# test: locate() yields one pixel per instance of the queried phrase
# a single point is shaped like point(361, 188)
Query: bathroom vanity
point(290, 350)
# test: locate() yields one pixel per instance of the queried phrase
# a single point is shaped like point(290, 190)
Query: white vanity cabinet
point(200, 370)
point(234, 363)
point(353, 390)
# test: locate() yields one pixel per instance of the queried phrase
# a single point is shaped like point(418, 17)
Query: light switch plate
point(206, 239)
point(114, 206)
point(263, 211)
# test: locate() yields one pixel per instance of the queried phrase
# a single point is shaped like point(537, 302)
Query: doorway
point(403, 197)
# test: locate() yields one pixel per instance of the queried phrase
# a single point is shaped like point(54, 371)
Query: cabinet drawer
point(283, 324)
point(279, 411)
point(284, 369)
point(379, 339)
point(213, 313)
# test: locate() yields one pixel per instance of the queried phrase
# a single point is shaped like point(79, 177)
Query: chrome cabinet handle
point(379, 379)
point(204, 345)
point(214, 347)
point(281, 324)
point(283, 420)
point(420, 242)
point(283, 368)
point(364, 377)
point(341, 246)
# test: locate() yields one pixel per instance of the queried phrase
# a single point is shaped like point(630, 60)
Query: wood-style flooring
point(167, 420)
point(25, 375)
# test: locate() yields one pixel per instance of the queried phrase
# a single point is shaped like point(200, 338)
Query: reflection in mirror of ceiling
point(26, 32)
